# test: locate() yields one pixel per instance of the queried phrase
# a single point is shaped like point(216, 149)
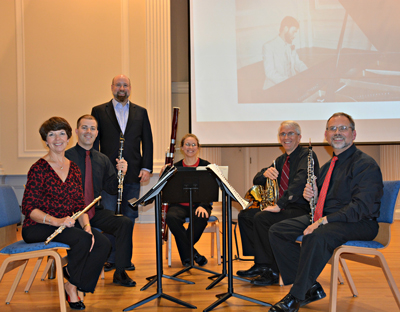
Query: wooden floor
point(374, 292)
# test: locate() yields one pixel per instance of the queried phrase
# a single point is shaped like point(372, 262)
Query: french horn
point(264, 196)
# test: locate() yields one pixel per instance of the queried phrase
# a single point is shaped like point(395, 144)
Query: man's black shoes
point(269, 277)
point(316, 292)
point(200, 260)
point(254, 271)
point(108, 266)
point(289, 303)
point(123, 279)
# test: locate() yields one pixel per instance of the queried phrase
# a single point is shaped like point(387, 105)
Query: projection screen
point(247, 74)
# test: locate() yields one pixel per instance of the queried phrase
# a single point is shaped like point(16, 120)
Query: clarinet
point(169, 160)
point(121, 177)
point(311, 180)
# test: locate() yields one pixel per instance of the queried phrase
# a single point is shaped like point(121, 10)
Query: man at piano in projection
point(280, 58)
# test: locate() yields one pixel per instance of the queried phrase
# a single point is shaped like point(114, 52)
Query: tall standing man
point(291, 175)
point(121, 116)
point(99, 168)
point(350, 191)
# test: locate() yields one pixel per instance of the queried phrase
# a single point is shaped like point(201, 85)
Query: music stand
point(154, 192)
point(230, 293)
point(191, 186)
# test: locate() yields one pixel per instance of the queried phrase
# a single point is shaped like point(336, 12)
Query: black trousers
point(301, 265)
point(121, 228)
point(84, 267)
point(254, 228)
point(176, 218)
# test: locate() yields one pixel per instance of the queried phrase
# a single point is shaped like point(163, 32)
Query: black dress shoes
point(200, 260)
point(254, 271)
point(316, 292)
point(130, 268)
point(123, 279)
point(289, 303)
point(75, 305)
point(267, 278)
point(108, 266)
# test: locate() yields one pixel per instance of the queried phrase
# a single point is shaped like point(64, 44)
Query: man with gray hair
point(291, 174)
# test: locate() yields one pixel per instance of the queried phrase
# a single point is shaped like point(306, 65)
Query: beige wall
point(57, 59)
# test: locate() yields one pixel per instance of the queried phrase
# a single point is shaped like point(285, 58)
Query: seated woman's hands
point(201, 212)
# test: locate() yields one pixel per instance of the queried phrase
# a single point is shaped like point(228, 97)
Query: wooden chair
point(20, 252)
point(368, 252)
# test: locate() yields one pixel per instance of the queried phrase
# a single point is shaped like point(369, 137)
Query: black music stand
point(191, 186)
point(225, 296)
point(154, 192)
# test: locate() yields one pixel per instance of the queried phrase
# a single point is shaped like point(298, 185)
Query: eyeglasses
point(192, 145)
point(340, 128)
point(289, 134)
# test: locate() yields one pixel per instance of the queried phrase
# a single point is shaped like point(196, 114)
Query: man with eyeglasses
point(350, 188)
point(122, 116)
point(291, 175)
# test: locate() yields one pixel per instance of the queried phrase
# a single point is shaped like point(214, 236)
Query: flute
point(75, 216)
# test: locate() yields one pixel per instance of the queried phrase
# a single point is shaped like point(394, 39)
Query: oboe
point(75, 216)
point(311, 180)
point(121, 177)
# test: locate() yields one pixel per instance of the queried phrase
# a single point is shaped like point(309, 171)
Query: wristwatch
point(320, 221)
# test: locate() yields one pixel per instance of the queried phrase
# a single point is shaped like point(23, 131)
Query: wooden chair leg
point(169, 248)
point(334, 277)
point(212, 241)
point(33, 274)
point(348, 277)
point(390, 279)
point(16, 282)
point(47, 269)
point(218, 243)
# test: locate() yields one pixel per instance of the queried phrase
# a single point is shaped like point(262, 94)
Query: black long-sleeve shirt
point(355, 189)
point(104, 176)
point(293, 196)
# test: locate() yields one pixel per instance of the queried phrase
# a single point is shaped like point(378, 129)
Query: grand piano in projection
point(352, 75)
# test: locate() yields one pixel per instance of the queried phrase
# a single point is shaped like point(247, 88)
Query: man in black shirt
point(104, 178)
point(254, 224)
point(349, 212)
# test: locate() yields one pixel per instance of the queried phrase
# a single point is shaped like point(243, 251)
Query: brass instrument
point(264, 196)
point(75, 216)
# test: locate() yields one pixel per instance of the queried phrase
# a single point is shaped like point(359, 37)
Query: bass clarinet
point(169, 160)
point(121, 177)
point(311, 180)
point(75, 216)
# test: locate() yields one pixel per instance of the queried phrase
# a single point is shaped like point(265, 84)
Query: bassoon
point(169, 160)
point(121, 177)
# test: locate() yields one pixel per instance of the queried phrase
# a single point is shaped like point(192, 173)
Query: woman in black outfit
point(178, 212)
point(53, 194)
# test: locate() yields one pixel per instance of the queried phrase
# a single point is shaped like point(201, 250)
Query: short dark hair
point(189, 135)
point(54, 124)
point(86, 116)
point(351, 120)
point(289, 21)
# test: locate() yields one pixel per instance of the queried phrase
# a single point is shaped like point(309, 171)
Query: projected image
point(290, 51)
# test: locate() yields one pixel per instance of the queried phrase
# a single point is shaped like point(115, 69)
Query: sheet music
point(244, 203)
